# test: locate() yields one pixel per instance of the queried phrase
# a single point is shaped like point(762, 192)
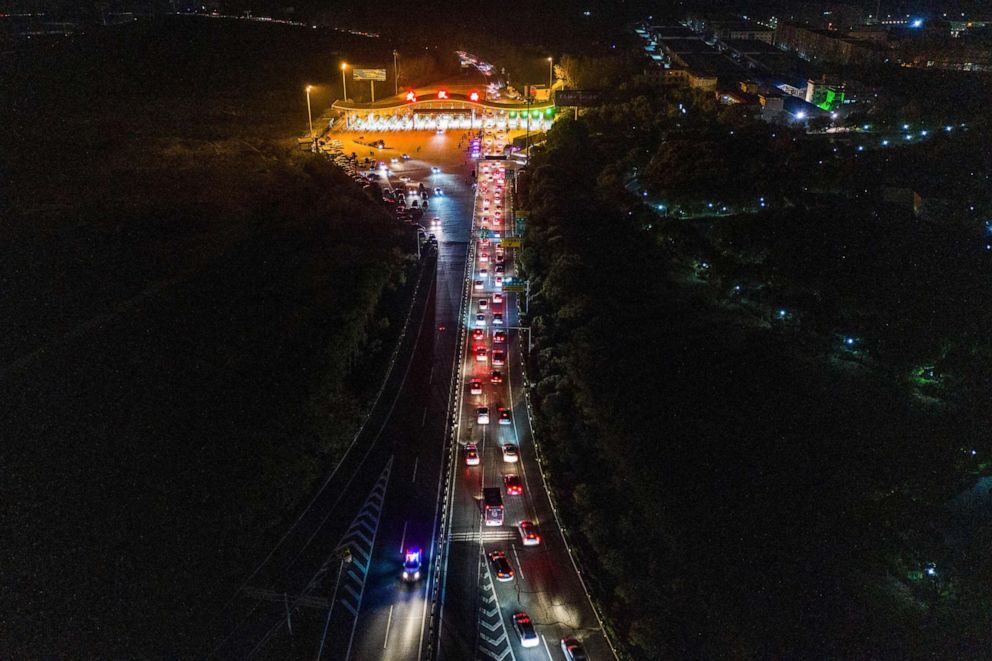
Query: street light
point(344, 83)
point(309, 116)
point(396, 75)
point(551, 72)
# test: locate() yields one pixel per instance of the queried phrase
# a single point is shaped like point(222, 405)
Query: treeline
point(733, 489)
point(197, 315)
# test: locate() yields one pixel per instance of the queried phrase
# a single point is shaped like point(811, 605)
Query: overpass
point(441, 109)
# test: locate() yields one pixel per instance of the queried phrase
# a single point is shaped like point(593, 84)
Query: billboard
point(370, 74)
point(578, 98)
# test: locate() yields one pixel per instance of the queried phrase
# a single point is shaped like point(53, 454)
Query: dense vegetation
point(196, 312)
point(761, 412)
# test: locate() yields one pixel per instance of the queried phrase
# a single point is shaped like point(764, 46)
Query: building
point(816, 45)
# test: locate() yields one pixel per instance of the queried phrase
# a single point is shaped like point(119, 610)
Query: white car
point(497, 319)
point(483, 274)
point(511, 454)
point(475, 387)
point(479, 284)
point(483, 304)
point(528, 533)
point(497, 298)
point(525, 629)
point(482, 415)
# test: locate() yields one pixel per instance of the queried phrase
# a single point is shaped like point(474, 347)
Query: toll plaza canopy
point(433, 109)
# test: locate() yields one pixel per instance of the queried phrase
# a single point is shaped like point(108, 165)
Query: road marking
point(423, 419)
point(431, 380)
point(415, 462)
point(403, 538)
point(389, 620)
point(546, 648)
point(520, 569)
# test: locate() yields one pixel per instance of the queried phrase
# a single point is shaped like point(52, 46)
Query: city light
point(442, 94)
point(473, 96)
point(411, 96)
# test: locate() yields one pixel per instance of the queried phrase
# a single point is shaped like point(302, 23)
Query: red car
point(514, 487)
point(496, 376)
point(478, 334)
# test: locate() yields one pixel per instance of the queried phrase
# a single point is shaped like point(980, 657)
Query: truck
point(492, 506)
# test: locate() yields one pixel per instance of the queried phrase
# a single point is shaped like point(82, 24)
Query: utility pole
point(372, 83)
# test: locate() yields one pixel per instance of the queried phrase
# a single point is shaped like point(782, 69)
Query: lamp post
point(309, 116)
point(551, 73)
point(344, 83)
point(396, 74)
point(530, 99)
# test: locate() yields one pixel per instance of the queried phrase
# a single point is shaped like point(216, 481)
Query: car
point(412, 560)
point(482, 415)
point(498, 319)
point(415, 204)
point(438, 191)
point(478, 334)
point(499, 337)
point(514, 487)
point(480, 355)
point(435, 169)
point(500, 257)
point(499, 281)
point(496, 376)
point(483, 257)
point(511, 454)
point(480, 320)
point(528, 533)
point(435, 221)
point(525, 629)
point(405, 179)
point(573, 650)
point(504, 572)
point(504, 417)
point(432, 238)
point(500, 269)
point(483, 304)
point(499, 358)
point(424, 204)
point(394, 160)
point(405, 157)
point(483, 274)
point(401, 201)
point(479, 284)
point(475, 387)
point(472, 457)
point(497, 298)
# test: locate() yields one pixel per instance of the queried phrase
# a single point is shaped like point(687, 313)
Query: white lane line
point(520, 568)
point(423, 418)
point(415, 462)
point(389, 620)
point(403, 538)
point(546, 648)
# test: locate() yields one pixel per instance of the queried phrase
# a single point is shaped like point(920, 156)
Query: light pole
point(344, 83)
point(551, 73)
point(396, 74)
point(527, 137)
point(309, 116)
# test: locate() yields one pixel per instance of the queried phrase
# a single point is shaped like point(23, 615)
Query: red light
point(442, 94)
point(411, 96)
point(474, 96)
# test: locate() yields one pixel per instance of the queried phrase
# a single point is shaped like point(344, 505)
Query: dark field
point(186, 297)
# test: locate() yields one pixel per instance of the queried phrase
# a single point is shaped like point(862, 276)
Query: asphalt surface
point(477, 611)
point(332, 588)
point(307, 600)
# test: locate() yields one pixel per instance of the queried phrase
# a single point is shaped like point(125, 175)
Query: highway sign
point(511, 241)
point(515, 288)
point(370, 74)
point(578, 98)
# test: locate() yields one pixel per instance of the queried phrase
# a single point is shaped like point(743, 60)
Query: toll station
point(443, 109)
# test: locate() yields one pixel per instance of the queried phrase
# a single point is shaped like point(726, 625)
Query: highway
point(477, 610)
point(331, 588)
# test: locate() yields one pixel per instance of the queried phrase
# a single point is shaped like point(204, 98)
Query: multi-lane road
point(331, 587)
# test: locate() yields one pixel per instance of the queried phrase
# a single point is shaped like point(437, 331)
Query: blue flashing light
point(905, 127)
point(861, 147)
point(709, 204)
point(909, 137)
point(917, 23)
point(923, 132)
point(948, 128)
point(885, 143)
point(849, 341)
point(782, 314)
